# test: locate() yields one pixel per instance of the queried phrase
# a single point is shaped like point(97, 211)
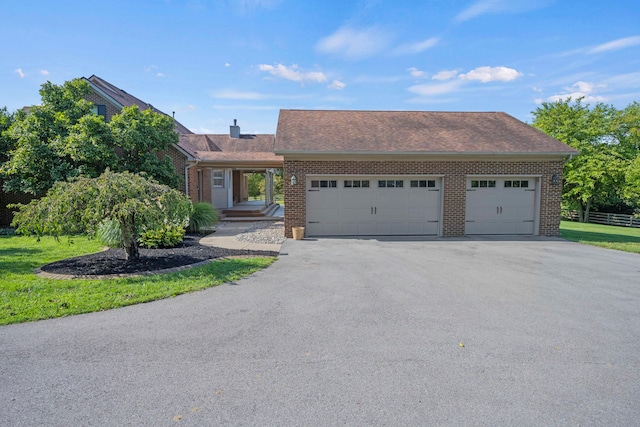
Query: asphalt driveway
point(353, 332)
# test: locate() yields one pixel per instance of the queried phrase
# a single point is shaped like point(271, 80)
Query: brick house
point(219, 165)
point(215, 167)
point(418, 173)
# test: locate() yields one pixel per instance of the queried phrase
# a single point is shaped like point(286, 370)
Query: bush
point(166, 236)
point(202, 215)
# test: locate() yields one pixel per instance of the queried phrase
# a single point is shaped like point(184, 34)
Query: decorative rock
point(263, 232)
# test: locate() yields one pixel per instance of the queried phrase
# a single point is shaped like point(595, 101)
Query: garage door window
point(324, 184)
point(423, 183)
point(356, 184)
point(516, 184)
point(483, 183)
point(390, 183)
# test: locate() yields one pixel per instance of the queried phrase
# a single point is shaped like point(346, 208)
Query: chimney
point(234, 131)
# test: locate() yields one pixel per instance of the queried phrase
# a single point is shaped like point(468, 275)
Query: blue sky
point(214, 61)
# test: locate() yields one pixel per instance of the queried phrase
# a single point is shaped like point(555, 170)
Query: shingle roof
point(321, 131)
point(127, 100)
point(222, 148)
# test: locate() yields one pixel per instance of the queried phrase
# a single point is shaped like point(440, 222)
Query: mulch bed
point(112, 261)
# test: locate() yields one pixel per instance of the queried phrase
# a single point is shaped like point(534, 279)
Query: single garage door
point(374, 205)
point(500, 205)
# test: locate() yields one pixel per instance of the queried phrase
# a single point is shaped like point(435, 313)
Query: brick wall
point(99, 100)
point(454, 172)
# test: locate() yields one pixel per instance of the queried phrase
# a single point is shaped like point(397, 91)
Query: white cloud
point(355, 43)
point(337, 85)
point(579, 90)
point(44, 72)
point(417, 47)
point(490, 74)
point(20, 72)
point(417, 73)
point(232, 94)
point(293, 73)
point(445, 75)
point(431, 89)
point(227, 65)
point(485, 7)
point(160, 75)
point(617, 44)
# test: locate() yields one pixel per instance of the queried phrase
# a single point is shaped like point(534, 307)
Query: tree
point(597, 175)
point(82, 205)
point(62, 139)
point(255, 182)
point(140, 136)
point(6, 142)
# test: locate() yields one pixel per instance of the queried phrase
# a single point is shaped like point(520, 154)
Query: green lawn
point(26, 297)
point(607, 236)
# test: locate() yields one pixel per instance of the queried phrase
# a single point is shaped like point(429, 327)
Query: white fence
point(621, 220)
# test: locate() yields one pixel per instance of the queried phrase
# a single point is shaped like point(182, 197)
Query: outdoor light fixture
point(294, 179)
point(555, 179)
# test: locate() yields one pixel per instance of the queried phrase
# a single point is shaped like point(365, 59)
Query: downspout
point(186, 177)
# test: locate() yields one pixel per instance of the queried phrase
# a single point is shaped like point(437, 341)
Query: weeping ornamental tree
point(82, 205)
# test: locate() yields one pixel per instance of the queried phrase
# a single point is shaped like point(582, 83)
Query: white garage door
point(500, 205)
point(368, 206)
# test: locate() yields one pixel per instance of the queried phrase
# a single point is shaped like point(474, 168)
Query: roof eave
point(428, 153)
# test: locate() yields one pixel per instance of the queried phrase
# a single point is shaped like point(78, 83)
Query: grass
point(607, 236)
point(26, 297)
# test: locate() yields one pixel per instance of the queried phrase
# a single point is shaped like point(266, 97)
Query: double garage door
point(410, 205)
point(370, 206)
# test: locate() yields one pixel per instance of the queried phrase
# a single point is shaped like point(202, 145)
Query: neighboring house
point(418, 173)
point(219, 164)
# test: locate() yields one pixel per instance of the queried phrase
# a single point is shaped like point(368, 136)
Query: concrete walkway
point(225, 237)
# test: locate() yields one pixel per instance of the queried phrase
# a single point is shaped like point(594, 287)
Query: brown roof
point(312, 131)
point(223, 148)
point(127, 100)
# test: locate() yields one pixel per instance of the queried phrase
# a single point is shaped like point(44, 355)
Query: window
point(390, 183)
point(218, 178)
point(483, 183)
point(324, 184)
point(516, 184)
point(423, 183)
point(100, 110)
point(356, 184)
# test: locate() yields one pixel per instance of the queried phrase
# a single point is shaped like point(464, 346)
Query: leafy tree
point(6, 142)
point(62, 139)
point(85, 204)
point(255, 183)
point(598, 174)
point(140, 136)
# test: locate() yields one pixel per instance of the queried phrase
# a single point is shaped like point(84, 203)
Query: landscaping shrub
point(165, 236)
point(202, 215)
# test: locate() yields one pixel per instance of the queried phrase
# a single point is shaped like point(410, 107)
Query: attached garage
point(373, 205)
point(501, 205)
point(449, 174)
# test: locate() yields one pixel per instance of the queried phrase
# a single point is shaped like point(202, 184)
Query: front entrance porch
point(253, 210)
